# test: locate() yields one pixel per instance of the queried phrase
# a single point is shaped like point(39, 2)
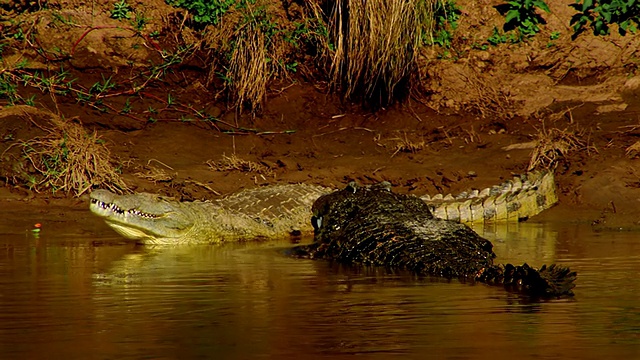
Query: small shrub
point(206, 12)
point(446, 15)
point(121, 10)
point(498, 37)
point(599, 15)
point(522, 15)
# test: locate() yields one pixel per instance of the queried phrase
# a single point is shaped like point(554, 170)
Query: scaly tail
point(547, 282)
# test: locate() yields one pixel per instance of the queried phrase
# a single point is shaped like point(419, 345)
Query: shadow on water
point(78, 291)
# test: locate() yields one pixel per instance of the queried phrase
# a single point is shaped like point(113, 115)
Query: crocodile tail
point(546, 282)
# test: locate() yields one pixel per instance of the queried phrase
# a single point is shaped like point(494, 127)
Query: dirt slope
point(455, 137)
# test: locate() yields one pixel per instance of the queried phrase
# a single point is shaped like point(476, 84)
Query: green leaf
point(587, 4)
point(511, 14)
point(624, 25)
point(542, 5)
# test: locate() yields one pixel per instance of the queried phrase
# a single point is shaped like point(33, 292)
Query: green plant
point(204, 12)
point(478, 46)
point(262, 18)
point(498, 37)
point(101, 87)
point(599, 15)
point(127, 107)
point(58, 17)
point(8, 89)
point(19, 35)
point(522, 15)
point(30, 100)
point(139, 22)
point(446, 15)
point(293, 67)
point(552, 37)
point(121, 10)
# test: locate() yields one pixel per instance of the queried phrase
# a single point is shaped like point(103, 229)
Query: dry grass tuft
point(633, 151)
point(489, 101)
point(230, 163)
point(375, 44)
point(156, 174)
point(407, 146)
point(554, 144)
point(248, 70)
point(69, 159)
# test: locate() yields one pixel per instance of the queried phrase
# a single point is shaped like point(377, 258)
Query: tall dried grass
point(248, 68)
point(375, 43)
point(368, 47)
point(247, 52)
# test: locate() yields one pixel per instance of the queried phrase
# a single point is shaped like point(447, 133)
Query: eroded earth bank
point(483, 113)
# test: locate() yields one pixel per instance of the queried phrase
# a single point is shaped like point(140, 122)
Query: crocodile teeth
point(139, 213)
point(112, 207)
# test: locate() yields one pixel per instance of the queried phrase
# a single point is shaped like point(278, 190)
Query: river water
point(76, 290)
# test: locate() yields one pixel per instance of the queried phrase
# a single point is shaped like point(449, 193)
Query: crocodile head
point(142, 216)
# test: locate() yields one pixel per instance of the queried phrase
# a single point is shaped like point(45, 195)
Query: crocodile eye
point(316, 222)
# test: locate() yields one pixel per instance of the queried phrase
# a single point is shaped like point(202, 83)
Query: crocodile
point(280, 210)
point(373, 226)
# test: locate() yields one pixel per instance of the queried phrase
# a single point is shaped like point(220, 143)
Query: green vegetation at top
point(366, 47)
point(205, 12)
point(446, 15)
point(121, 10)
point(522, 16)
point(600, 15)
point(366, 50)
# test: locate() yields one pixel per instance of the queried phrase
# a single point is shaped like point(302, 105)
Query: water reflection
point(72, 295)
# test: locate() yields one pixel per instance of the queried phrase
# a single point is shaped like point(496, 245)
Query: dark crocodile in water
point(277, 210)
point(374, 226)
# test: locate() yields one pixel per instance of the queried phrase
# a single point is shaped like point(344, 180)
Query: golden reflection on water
point(85, 294)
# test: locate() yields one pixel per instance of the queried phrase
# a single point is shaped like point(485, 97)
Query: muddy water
point(76, 291)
